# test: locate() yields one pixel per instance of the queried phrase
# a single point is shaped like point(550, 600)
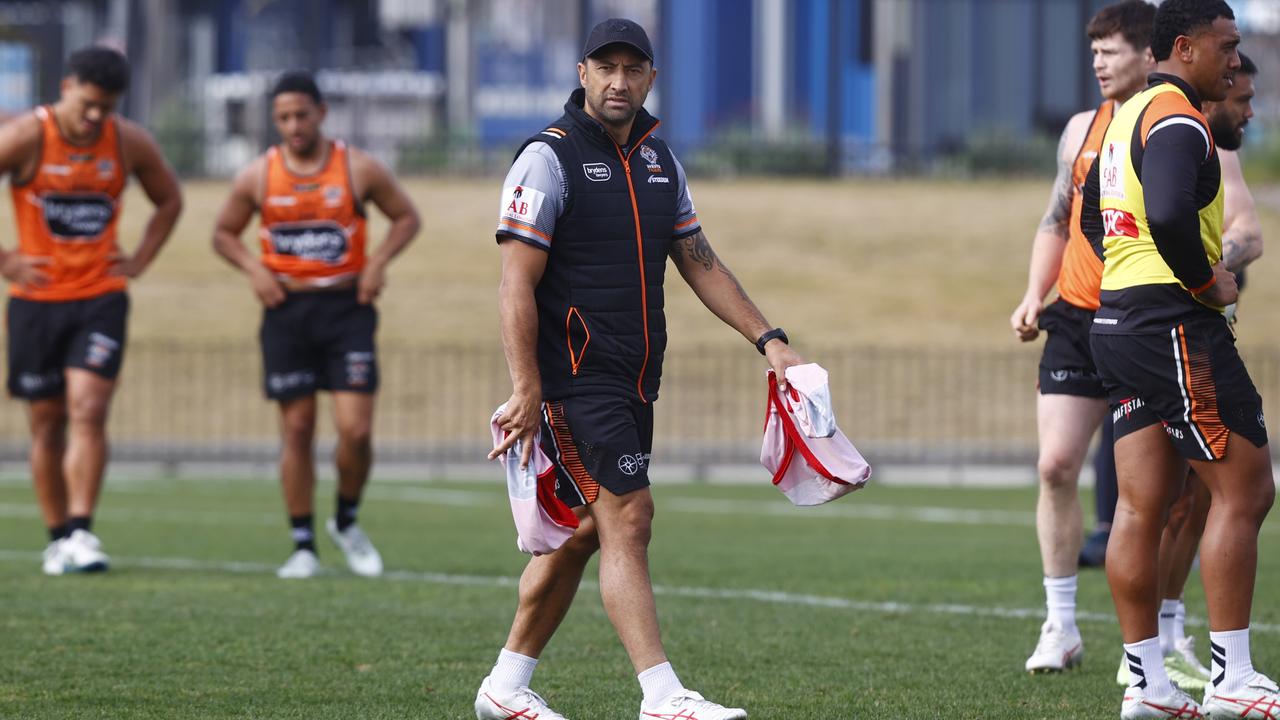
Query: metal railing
point(198, 402)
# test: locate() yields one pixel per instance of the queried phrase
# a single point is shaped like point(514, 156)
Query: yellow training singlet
point(1131, 258)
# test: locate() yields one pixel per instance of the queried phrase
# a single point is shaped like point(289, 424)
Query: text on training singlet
point(312, 230)
point(67, 211)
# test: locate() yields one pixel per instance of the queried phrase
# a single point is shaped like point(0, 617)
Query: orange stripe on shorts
point(569, 457)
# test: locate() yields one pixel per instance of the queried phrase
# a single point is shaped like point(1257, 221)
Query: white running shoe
point(1184, 668)
point(82, 552)
point(1138, 705)
point(689, 705)
point(301, 564)
point(1057, 650)
point(54, 564)
point(362, 556)
point(1258, 700)
point(519, 703)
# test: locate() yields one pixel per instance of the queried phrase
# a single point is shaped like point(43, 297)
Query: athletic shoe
point(1184, 668)
point(54, 564)
point(1094, 551)
point(1258, 700)
point(362, 556)
point(301, 564)
point(82, 552)
point(517, 704)
point(1057, 650)
point(689, 705)
point(1138, 705)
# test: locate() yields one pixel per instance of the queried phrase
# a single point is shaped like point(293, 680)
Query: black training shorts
point(46, 338)
point(321, 340)
point(1190, 380)
point(1066, 366)
point(597, 441)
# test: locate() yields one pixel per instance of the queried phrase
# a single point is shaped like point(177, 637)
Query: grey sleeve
point(686, 216)
point(533, 196)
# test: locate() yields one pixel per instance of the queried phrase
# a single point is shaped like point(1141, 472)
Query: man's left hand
point(780, 357)
point(125, 266)
point(372, 279)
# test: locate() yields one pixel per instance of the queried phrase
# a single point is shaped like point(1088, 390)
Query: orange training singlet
point(1080, 279)
point(67, 213)
point(313, 228)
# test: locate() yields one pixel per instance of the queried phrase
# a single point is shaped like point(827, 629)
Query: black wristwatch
point(774, 334)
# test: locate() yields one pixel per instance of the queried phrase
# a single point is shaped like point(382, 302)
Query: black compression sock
point(59, 532)
point(345, 517)
point(79, 523)
point(304, 536)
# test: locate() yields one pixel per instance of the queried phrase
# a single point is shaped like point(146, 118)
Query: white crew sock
point(1230, 666)
point(658, 683)
point(1180, 623)
point(1060, 598)
point(512, 671)
point(1168, 618)
point(1146, 667)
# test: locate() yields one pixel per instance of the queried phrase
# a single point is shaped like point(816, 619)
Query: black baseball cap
point(618, 30)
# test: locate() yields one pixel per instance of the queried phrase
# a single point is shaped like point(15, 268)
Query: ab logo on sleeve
point(522, 204)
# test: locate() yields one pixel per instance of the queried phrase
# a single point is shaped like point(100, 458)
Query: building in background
point(744, 86)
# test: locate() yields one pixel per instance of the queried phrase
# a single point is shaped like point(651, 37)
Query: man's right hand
point(25, 270)
point(1224, 291)
point(267, 287)
point(520, 422)
point(1025, 321)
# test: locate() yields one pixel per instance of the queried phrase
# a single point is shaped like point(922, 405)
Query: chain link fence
point(195, 402)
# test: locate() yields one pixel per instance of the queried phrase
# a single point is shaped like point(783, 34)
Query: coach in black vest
point(592, 207)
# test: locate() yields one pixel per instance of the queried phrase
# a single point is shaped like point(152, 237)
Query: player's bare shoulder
point(136, 142)
point(367, 172)
point(20, 139)
point(1074, 133)
point(249, 185)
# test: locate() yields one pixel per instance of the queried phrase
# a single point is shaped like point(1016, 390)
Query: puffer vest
point(601, 327)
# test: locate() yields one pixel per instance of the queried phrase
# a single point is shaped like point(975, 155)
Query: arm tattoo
point(1059, 213)
point(1239, 248)
point(1232, 249)
point(699, 251)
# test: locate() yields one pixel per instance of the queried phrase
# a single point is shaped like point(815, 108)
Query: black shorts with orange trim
point(1066, 367)
point(597, 441)
point(46, 338)
point(1190, 380)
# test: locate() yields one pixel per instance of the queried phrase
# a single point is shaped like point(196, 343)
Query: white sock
point(1146, 667)
point(512, 671)
point(1168, 617)
point(1180, 623)
point(1230, 666)
point(1060, 597)
point(658, 683)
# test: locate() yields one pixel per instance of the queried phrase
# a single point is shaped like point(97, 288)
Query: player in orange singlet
point(1072, 402)
point(317, 286)
point(68, 164)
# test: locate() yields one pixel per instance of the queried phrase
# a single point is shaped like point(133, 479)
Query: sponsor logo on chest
point(597, 172)
point(77, 216)
point(1118, 223)
point(319, 242)
point(1111, 172)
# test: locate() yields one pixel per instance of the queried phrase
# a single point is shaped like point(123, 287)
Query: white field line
point(770, 597)
point(850, 508)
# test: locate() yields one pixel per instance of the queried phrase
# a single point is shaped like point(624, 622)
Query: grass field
point(892, 603)
point(870, 262)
